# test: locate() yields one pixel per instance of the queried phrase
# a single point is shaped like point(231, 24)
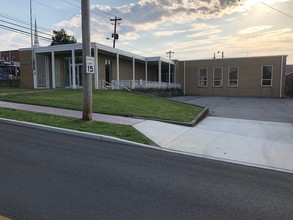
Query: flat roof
point(78, 46)
point(232, 58)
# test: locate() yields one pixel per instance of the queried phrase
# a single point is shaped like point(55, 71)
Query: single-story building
point(60, 66)
point(247, 76)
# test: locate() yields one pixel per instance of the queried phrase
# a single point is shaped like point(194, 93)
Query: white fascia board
point(157, 59)
point(78, 46)
point(115, 51)
point(58, 48)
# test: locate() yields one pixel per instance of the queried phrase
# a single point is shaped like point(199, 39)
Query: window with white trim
point(203, 77)
point(218, 77)
point(233, 76)
point(267, 75)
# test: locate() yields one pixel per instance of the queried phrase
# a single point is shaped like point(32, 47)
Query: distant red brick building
point(9, 55)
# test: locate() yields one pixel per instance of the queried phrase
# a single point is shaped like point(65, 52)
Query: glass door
point(78, 73)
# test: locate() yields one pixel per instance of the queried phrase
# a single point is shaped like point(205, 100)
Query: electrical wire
point(22, 32)
point(130, 28)
point(49, 6)
point(28, 28)
point(290, 16)
point(21, 21)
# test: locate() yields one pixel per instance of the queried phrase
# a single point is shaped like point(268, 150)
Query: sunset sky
point(193, 29)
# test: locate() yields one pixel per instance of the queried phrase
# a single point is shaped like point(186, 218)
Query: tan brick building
point(60, 66)
point(248, 76)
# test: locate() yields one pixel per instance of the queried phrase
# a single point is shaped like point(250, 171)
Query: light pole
point(32, 46)
point(86, 52)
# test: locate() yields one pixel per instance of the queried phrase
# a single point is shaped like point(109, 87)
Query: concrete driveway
point(262, 109)
point(251, 131)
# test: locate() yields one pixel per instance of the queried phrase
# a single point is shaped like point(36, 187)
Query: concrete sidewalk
point(249, 142)
point(70, 113)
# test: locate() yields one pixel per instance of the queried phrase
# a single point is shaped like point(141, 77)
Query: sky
point(192, 29)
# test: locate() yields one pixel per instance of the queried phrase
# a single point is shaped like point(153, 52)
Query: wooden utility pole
point(86, 52)
point(169, 53)
point(115, 36)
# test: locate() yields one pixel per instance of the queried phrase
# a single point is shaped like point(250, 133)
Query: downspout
point(281, 75)
point(146, 73)
point(184, 71)
point(133, 73)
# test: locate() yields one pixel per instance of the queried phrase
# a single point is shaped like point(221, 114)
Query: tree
point(60, 37)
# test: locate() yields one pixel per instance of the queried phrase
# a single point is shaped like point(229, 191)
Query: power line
point(21, 21)
point(129, 27)
point(290, 16)
point(22, 32)
point(49, 6)
point(24, 27)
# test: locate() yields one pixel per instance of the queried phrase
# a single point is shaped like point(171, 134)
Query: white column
point(73, 69)
point(53, 70)
point(160, 71)
point(133, 73)
point(118, 69)
point(146, 73)
point(96, 55)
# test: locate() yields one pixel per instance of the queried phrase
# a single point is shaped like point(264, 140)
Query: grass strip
point(119, 131)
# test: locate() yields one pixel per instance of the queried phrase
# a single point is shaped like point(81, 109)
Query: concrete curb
point(74, 133)
point(131, 143)
point(202, 115)
point(228, 161)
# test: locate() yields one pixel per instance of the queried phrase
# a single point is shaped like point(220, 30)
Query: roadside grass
point(112, 103)
point(119, 131)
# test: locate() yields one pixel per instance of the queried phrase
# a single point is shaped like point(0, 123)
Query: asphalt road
point(46, 175)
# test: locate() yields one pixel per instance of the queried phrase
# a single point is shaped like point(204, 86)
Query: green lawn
point(113, 103)
point(119, 131)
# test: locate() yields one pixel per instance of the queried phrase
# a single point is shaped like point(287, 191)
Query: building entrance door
point(78, 73)
point(78, 76)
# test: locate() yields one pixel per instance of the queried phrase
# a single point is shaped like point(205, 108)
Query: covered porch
point(61, 66)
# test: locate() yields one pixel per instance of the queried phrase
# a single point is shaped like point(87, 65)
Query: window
point(267, 76)
point(203, 77)
point(233, 76)
point(218, 76)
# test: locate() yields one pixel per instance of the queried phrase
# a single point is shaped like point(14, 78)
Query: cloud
point(151, 13)
point(168, 33)
point(202, 27)
point(104, 8)
point(14, 40)
point(204, 33)
point(254, 29)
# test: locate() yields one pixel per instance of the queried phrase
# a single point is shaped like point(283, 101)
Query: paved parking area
point(262, 109)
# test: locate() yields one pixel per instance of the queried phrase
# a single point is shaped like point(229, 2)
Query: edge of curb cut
point(253, 165)
point(75, 133)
